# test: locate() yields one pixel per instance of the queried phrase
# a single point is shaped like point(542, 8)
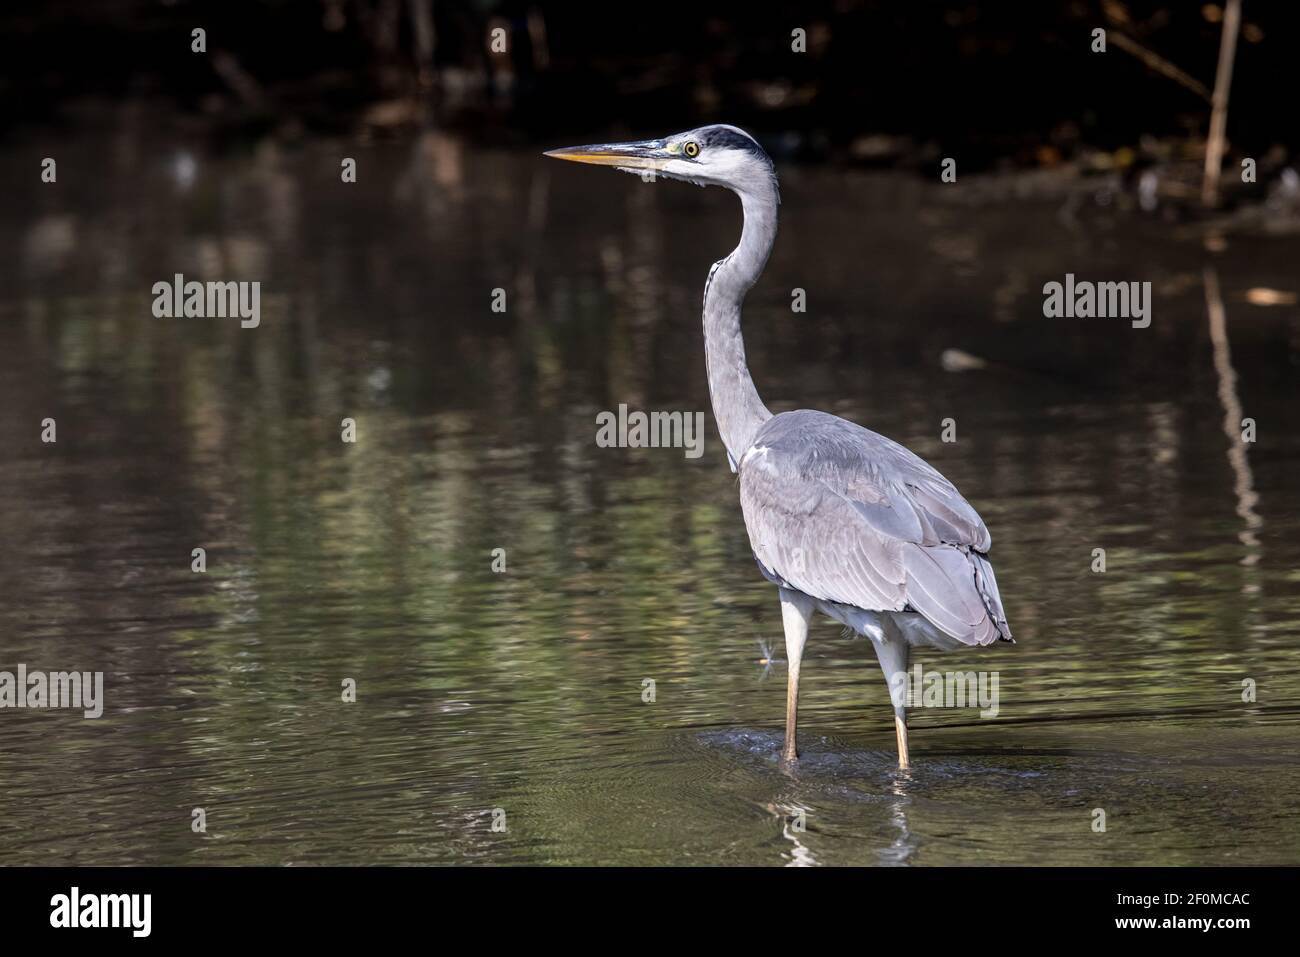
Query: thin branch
point(1160, 64)
point(1219, 113)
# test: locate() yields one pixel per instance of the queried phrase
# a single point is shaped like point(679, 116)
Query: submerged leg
point(893, 652)
point(796, 611)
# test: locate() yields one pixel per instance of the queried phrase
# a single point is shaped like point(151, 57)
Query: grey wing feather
point(848, 516)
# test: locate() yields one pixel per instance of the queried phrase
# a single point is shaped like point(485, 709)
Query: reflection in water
point(1243, 482)
point(902, 847)
point(522, 690)
point(794, 819)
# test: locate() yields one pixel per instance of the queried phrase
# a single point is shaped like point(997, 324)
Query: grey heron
point(842, 520)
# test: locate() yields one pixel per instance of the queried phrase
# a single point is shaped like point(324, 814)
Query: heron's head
point(717, 155)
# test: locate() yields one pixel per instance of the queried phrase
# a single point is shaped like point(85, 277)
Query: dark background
point(880, 83)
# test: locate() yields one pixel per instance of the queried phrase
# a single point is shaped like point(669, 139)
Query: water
point(523, 690)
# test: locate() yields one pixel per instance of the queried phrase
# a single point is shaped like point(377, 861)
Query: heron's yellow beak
point(645, 154)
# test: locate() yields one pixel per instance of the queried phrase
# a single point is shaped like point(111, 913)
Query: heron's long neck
point(736, 405)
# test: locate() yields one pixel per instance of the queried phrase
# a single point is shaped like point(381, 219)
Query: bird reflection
point(904, 845)
point(792, 818)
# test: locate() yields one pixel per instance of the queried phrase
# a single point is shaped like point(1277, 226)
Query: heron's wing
point(848, 516)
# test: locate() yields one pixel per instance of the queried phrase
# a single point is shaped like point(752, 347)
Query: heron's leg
point(894, 653)
point(900, 730)
point(796, 612)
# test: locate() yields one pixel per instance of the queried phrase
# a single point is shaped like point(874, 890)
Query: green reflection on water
point(522, 690)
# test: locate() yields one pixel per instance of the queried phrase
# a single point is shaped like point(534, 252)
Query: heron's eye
point(691, 149)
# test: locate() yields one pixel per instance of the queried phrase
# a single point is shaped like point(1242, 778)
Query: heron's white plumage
point(840, 518)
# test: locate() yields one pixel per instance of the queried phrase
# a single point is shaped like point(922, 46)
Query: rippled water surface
point(522, 690)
